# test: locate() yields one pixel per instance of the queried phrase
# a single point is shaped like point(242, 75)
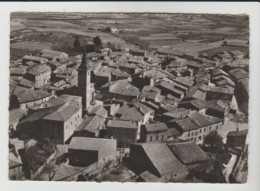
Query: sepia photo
point(129, 97)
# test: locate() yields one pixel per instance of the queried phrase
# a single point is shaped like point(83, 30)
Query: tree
point(110, 45)
point(213, 141)
point(97, 41)
point(76, 43)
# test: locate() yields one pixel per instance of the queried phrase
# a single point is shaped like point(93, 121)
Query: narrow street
point(229, 166)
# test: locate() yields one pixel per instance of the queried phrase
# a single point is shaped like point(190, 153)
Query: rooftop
point(93, 144)
point(188, 152)
point(162, 158)
point(121, 124)
point(187, 124)
point(33, 96)
point(156, 127)
point(39, 69)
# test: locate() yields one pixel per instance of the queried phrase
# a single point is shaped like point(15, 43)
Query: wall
point(82, 158)
point(71, 124)
point(124, 136)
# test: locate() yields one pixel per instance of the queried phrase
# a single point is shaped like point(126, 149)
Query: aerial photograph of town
point(128, 97)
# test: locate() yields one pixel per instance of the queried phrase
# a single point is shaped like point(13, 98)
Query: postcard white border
point(252, 9)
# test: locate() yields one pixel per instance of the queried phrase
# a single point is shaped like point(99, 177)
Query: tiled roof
point(93, 144)
point(188, 152)
point(33, 96)
point(163, 159)
point(15, 114)
point(199, 119)
point(186, 124)
point(121, 124)
point(179, 113)
point(39, 69)
point(220, 90)
point(156, 127)
point(98, 110)
point(91, 123)
point(63, 113)
point(237, 133)
point(123, 87)
point(142, 108)
point(132, 114)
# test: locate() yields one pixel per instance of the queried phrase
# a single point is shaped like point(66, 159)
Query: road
point(229, 167)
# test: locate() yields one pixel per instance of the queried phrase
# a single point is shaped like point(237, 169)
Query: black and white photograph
point(140, 97)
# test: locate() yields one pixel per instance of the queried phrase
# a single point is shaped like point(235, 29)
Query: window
point(200, 130)
point(157, 137)
point(199, 137)
point(210, 128)
point(151, 138)
point(188, 134)
point(162, 137)
point(204, 129)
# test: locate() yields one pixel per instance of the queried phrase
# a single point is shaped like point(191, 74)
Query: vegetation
point(213, 142)
point(36, 155)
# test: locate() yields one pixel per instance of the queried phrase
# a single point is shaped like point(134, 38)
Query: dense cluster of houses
point(157, 107)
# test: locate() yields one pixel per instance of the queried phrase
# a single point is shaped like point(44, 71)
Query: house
point(147, 112)
point(137, 52)
point(175, 114)
point(215, 93)
point(53, 55)
point(237, 138)
point(27, 84)
point(83, 151)
point(128, 68)
point(91, 126)
point(158, 159)
point(55, 65)
point(205, 125)
point(98, 110)
point(215, 110)
point(238, 74)
point(185, 126)
point(184, 81)
point(102, 78)
point(150, 93)
point(195, 94)
point(34, 98)
point(39, 74)
point(194, 104)
point(36, 59)
point(190, 154)
point(167, 88)
point(17, 72)
point(56, 121)
point(125, 132)
point(154, 132)
point(141, 82)
point(120, 90)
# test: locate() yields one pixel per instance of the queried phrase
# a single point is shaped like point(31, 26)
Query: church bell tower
point(84, 86)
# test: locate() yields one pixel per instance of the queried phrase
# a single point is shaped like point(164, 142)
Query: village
point(129, 115)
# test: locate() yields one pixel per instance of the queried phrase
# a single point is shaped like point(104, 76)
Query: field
point(31, 46)
point(185, 32)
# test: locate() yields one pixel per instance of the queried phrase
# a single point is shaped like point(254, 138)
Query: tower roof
point(84, 62)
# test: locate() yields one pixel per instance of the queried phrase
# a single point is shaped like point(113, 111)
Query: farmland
point(186, 32)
